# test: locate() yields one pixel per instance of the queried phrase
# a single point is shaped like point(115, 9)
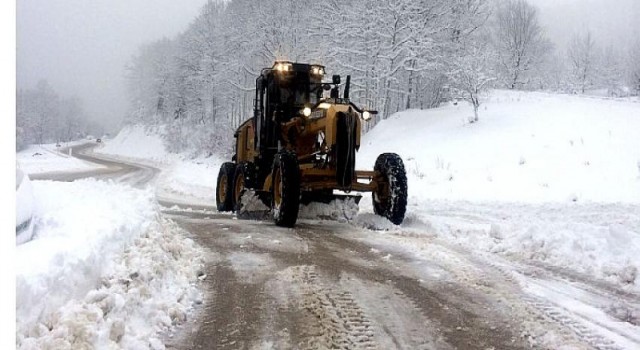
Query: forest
point(197, 87)
point(43, 116)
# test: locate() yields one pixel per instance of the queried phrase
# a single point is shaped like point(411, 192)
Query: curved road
point(135, 174)
point(332, 285)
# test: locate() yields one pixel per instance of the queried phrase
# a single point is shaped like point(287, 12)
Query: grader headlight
point(317, 70)
point(283, 67)
point(366, 115)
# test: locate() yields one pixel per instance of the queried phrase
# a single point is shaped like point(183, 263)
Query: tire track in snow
point(461, 317)
point(340, 322)
point(537, 285)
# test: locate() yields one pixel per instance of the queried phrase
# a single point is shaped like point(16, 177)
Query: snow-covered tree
point(582, 58)
point(200, 84)
point(610, 71)
point(633, 67)
point(520, 41)
point(471, 69)
point(42, 116)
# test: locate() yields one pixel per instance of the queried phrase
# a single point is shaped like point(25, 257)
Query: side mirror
point(335, 79)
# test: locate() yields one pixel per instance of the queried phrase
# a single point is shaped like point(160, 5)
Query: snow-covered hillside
point(532, 147)
point(136, 142)
point(541, 177)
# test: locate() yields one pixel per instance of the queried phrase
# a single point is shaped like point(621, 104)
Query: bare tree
point(633, 67)
point(45, 111)
point(42, 116)
point(520, 40)
point(582, 58)
point(471, 72)
point(610, 71)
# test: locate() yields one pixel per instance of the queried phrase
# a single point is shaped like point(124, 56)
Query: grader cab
point(300, 146)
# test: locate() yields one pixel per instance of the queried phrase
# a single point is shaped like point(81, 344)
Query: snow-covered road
point(326, 284)
point(330, 285)
point(119, 170)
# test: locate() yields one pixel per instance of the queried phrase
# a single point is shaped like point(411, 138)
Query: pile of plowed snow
point(543, 177)
point(138, 143)
point(103, 270)
point(191, 178)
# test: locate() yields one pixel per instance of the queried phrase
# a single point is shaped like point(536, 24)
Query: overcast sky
point(82, 46)
point(611, 21)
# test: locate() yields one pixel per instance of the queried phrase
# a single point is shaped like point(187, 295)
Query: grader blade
point(309, 197)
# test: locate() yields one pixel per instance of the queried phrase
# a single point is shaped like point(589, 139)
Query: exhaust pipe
point(347, 86)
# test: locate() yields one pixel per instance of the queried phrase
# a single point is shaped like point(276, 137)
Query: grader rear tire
point(390, 198)
point(224, 187)
point(244, 178)
point(285, 199)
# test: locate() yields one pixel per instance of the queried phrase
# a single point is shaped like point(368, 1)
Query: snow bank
point(24, 207)
point(103, 270)
point(182, 174)
point(47, 158)
point(195, 178)
point(136, 142)
point(601, 240)
point(596, 239)
point(532, 147)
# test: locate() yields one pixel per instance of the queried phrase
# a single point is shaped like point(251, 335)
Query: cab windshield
point(299, 91)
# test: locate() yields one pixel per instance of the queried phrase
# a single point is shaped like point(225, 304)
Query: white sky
point(82, 46)
point(610, 21)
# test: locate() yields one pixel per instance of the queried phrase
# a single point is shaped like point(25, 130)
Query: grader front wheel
point(390, 197)
point(285, 191)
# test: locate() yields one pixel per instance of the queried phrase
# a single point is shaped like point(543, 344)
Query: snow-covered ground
point(541, 181)
point(103, 271)
point(191, 178)
point(532, 147)
point(182, 176)
point(137, 143)
point(541, 177)
point(47, 158)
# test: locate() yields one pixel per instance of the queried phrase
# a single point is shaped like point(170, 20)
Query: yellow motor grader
point(300, 146)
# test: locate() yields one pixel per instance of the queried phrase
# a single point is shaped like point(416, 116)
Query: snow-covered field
point(181, 176)
point(47, 158)
point(532, 147)
point(103, 270)
point(542, 177)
